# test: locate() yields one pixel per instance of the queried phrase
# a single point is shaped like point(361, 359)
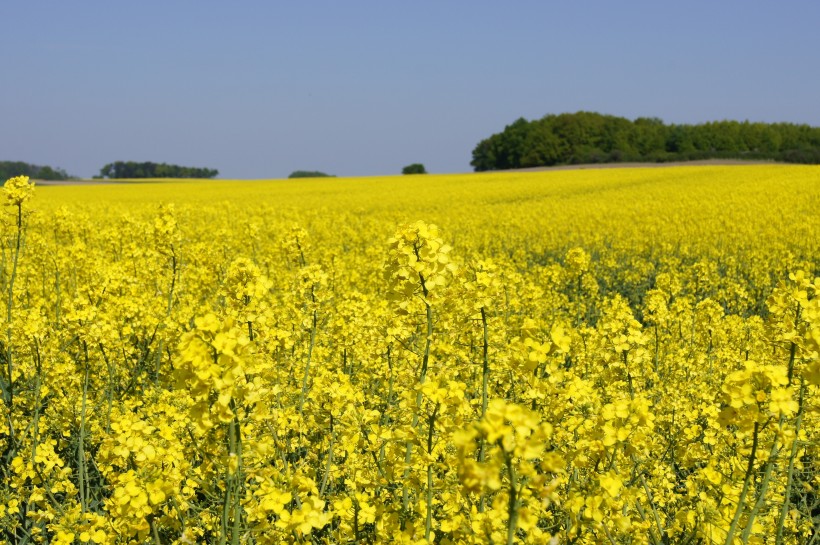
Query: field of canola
point(614, 356)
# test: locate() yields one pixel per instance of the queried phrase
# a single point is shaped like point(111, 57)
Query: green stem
point(485, 375)
point(790, 474)
point(173, 281)
point(655, 516)
point(155, 531)
point(9, 391)
point(746, 482)
point(161, 344)
point(57, 295)
point(430, 430)
point(485, 370)
point(383, 420)
point(109, 394)
point(793, 348)
point(408, 454)
point(656, 359)
point(512, 505)
point(303, 393)
point(235, 481)
point(764, 486)
point(429, 311)
point(329, 464)
point(38, 401)
point(608, 534)
point(226, 499)
point(82, 474)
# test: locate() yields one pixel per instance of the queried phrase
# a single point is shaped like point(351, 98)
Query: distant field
point(620, 355)
point(705, 162)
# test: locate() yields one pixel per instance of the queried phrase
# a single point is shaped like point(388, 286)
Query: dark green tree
point(9, 169)
point(131, 169)
point(415, 168)
point(590, 137)
point(309, 174)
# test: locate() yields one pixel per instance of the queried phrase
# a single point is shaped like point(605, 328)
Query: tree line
point(310, 174)
point(590, 137)
point(9, 169)
point(132, 169)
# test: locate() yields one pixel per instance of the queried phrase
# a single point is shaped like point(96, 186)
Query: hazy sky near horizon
point(259, 88)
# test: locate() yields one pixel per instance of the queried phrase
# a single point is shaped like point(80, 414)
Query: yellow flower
point(18, 190)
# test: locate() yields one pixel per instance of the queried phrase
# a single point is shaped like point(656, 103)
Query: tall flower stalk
point(17, 191)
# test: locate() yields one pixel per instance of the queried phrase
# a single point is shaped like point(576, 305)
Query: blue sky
point(258, 89)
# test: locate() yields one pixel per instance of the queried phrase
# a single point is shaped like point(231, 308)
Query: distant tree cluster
point(309, 174)
point(9, 169)
point(589, 137)
point(415, 168)
point(131, 169)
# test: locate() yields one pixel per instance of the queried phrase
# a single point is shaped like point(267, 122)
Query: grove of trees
point(9, 169)
point(415, 168)
point(590, 137)
point(309, 174)
point(131, 169)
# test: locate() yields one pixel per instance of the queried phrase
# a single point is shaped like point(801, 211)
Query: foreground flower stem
point(82, 469)
point(408, 455)
point(311, 346)
point(512, 505)
point(431, 427)
point(485, 376)
point(746, 482)
point(790, 473)
point(9, 394)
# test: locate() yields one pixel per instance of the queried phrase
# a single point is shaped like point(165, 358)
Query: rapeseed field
point(623, 356)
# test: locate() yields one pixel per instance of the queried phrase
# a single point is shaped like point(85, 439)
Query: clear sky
point(258, 88)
